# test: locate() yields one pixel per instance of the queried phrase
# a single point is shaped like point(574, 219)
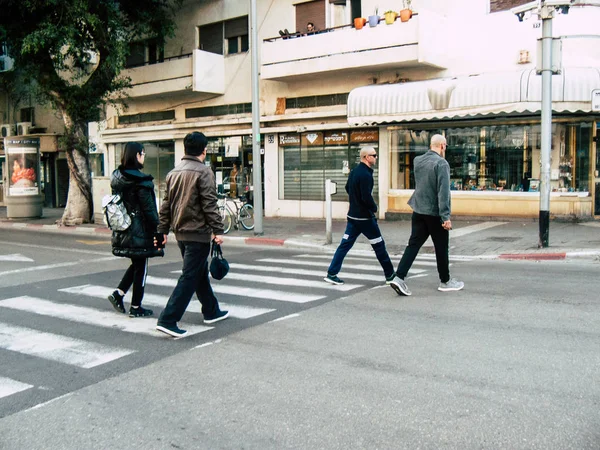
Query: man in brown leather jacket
point(190, 209)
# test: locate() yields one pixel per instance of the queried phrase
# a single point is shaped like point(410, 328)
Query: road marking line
point(10, 387)
point(289, 316)
point(372, 268)
point(90, 316)
point(15, 257)
point(237, 311)
point(54, 347)
point(358, 258)
point(240, 291)
point(60, 249)
point(315, 273)
point(292, 282)
point(56, 266)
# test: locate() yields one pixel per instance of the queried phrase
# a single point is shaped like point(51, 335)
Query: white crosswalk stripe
point(298, 280)
point(421, 258)
point(90, 316)
point(315, 273)
point(10, 387)
point(240, 291)
point(237, 311)
point(74, 352)
point(370, 267)
point(318, 283)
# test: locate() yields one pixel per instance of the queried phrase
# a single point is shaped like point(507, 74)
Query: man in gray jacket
point(431, 216)
point(190, 209)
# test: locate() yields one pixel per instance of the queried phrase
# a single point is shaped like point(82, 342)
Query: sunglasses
point(374, 155)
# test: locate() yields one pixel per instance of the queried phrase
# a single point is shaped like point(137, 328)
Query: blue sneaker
point(220, 315)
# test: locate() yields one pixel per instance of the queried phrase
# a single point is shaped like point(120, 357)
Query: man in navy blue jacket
point(361, 218)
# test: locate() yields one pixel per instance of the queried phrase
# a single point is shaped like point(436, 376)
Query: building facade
point(466, 69)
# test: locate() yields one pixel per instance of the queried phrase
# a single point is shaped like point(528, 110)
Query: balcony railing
point(401, 44)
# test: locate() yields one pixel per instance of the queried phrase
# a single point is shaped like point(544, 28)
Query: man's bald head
point(438, 144)
point(368, 155)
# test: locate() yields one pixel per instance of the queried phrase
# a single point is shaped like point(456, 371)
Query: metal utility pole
point(546, 14)
point(256, 164)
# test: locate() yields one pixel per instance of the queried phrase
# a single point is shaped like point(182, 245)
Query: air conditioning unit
point(7, 129)
point(23, 128)
point(6, 63)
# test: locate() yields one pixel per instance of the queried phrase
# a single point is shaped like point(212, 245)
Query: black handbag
point(219, 267)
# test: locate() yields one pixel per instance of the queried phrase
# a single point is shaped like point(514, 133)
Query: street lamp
point(256, 163)
point(545, 10)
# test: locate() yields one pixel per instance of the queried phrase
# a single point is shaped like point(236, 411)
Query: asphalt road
point(58, 332)
point(511, 362)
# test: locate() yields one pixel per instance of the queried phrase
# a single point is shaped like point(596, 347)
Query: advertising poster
point(22, 163)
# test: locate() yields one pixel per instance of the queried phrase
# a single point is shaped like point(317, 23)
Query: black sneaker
point(140, 312)
point(333, 279)
point(116, 300)
point(171, 330)
point(221, 315)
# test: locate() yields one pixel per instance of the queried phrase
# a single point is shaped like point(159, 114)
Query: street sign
point(596, 100)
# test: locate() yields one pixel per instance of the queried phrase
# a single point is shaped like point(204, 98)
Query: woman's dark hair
point(129, 158)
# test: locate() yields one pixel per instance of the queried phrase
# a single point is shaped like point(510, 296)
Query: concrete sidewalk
point(469, 238)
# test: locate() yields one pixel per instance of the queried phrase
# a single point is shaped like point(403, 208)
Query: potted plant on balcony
point(390, 17)
point(359, 22)
point(374, 19)
point(406, 12)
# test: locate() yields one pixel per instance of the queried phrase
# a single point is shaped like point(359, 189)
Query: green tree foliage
point(72, 52)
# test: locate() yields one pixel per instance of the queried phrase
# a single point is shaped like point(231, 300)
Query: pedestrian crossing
point(250, 290)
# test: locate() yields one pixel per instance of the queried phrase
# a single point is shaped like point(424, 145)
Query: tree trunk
point(79, 208)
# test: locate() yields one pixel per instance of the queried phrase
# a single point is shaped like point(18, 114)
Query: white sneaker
point(451, 285)
point(400, 286)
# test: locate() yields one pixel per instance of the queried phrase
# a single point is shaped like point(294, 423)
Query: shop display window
point(497, 158)
point(160, 159)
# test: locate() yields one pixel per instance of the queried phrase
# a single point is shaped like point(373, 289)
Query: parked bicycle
point(242, 215)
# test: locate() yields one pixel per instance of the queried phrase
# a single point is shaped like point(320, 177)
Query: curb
point(359, 248)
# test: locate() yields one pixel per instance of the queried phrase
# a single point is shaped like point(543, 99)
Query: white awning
point(474, 96)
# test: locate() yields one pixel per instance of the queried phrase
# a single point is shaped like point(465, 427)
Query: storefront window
point(497, 158)
point(231, 160)
point(310, 158)
point(160, 159)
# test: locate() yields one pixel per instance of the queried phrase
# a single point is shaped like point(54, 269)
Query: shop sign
point(312, 138)
point(287, 140)
point(336, 138)
point(364, 136)
point(596, 100)
point(23, 163)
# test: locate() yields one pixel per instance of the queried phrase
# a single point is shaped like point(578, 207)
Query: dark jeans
point(370, 229)
point(194, 278)
point(422, 227)
point(135, 275)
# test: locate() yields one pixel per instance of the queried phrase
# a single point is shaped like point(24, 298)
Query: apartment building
point(465, 68)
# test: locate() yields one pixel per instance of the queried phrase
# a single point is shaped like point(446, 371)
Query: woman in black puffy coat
point(137, 242)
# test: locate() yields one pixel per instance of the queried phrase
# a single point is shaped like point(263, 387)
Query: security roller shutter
point(310, 12)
